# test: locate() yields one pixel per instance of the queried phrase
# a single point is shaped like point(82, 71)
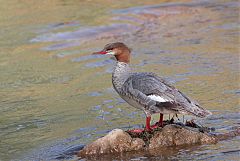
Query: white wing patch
point(158, 98)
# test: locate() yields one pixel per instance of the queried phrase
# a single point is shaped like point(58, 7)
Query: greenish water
point(55, 96)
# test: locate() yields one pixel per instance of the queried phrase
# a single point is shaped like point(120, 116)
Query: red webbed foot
point(137, 131)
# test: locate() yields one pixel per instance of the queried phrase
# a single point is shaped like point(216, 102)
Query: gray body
point(141, 90)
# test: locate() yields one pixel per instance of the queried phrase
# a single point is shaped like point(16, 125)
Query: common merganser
point(147, 91)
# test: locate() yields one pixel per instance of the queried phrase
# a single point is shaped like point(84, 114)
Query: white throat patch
point(111, 53)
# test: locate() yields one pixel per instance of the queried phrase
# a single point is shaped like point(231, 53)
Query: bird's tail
point(198, 111)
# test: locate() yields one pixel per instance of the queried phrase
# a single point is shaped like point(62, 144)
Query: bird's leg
point(148, 127)
point(161, 120)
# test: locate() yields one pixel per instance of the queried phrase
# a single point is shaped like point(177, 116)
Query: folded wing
point(154, 92)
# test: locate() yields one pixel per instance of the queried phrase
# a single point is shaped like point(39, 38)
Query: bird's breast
point(132, 102)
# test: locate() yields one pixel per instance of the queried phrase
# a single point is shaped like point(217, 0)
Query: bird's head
point(118, 49)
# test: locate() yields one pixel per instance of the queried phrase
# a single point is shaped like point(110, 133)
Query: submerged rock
point(118, 141)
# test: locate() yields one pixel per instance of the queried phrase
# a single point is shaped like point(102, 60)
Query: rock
point(174, 135)
point(114, 142)
point(118, 141)
point(228, 135)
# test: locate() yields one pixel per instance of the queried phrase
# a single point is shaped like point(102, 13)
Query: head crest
point(115, 45)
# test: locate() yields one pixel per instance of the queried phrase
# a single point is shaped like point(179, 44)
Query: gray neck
point(120, 74)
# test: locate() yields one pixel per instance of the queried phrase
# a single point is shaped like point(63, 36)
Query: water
point(55, 97)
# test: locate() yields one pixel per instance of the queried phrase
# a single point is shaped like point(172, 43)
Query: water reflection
point(82, 35)
point(59, 96)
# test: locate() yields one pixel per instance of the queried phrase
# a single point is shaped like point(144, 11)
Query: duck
point(146, 90)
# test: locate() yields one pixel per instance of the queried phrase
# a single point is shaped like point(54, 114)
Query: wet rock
point(175, 135)
point(171, 135)
point(116, 141)
point(228, 135)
